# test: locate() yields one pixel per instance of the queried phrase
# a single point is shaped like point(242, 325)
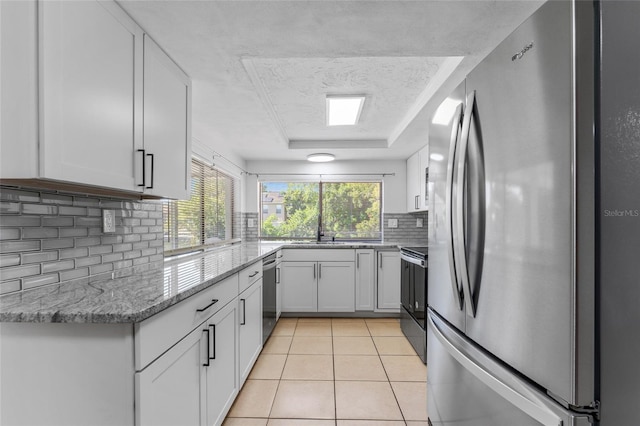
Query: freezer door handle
point(455, 133)
point(461, 254)
point(506, 384)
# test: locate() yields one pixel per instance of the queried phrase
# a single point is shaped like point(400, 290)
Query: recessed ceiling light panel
point(344, 110)
point(321, 157)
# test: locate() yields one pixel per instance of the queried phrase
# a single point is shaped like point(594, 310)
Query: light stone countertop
point(140, 294)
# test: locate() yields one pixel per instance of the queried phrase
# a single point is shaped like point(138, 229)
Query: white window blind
point(205, 219)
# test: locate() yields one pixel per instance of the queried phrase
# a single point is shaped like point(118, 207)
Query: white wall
point(393, 188)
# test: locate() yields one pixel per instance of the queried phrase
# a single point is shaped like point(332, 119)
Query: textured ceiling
point(261, 69)
point(297, 87)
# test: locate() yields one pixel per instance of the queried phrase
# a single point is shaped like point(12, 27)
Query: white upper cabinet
point(90, 73)
point(417, 175)
point(167, 130)
point(111, 110)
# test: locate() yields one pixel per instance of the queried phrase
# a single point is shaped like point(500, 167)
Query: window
point(344, 210)
point(206, 218)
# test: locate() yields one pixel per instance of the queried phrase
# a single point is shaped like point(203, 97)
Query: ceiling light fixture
point(320, 157)
point(344, 110)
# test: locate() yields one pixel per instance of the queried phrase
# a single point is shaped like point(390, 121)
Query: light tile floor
point(334, 372)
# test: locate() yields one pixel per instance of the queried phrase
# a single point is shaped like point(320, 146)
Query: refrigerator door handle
point(509, 386)
point(461, 254)
point(453, 143)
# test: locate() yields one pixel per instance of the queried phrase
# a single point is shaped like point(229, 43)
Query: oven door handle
point(419, 262)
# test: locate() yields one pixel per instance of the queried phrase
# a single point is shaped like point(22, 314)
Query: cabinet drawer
point(319, 255)
point(250, 275)
point(155, 335)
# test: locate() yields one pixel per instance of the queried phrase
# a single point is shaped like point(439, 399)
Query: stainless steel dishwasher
point(268, 296)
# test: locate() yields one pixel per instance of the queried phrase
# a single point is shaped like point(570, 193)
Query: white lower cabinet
point(388, 282)
point(299, 287)
point(365, 279)
point(221, 375)
point(195, 382)
point(169, 391)
point(327, 286)
point(250, 314)
point(336, 287)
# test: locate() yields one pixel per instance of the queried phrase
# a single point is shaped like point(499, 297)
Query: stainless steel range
point(413, 295)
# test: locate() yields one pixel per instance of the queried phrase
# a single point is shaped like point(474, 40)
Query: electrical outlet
point(108, 221)
point(393, 223)
point(419, 222)
point(251, 223)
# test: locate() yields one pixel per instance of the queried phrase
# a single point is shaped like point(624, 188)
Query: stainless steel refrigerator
point(534, 227)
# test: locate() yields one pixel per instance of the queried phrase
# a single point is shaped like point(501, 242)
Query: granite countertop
point(137, 296)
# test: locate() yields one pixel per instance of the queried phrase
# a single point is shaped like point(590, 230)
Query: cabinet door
point(167, 125)
point(299, 287)
point(222, 372)
point(365, 279)
point(413, 183)
point(169, 390)
point(90, 76)
point(423, 202)
point(336, 287)
point(388, 291)
point(250, 312)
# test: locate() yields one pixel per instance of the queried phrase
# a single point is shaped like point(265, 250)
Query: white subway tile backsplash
point(9, 286)
point(50, 237)
point(74, 253)
point(13, 272)
point(39, 233)
point(19, 246)
point(40, 280)
point(57, 243)
point(60, 265)
point(21, 221)
point(9, 233)
point(9, 260)
point(43, 256)
point(39, 209)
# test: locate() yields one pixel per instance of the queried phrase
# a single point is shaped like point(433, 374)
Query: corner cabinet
point(92, 102)
point(417, 176)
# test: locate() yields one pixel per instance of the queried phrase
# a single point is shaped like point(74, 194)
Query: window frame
point(170, 227)
point(321, 183)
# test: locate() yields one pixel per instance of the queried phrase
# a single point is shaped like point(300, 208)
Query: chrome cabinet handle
point(357, 260)
point(254, 274)
point(449, 200)
point(416, 201)
point(213, 302)
point(461, 254)
point(244, 311)
point(278, 275)
point(314, 271)
point(320, 271)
